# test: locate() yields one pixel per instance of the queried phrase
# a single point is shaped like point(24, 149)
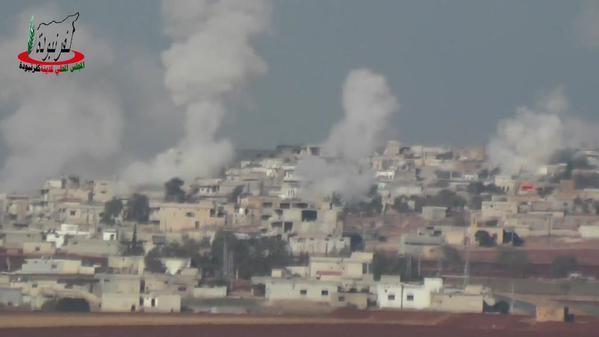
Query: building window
point(309, 215)
point(324, 293)
point(267, 205)
point(303, 292)
point(153, 302)
point(391, 297)
point(410, 297)
point(73, 213)
point(189, 214)
point(341, 298)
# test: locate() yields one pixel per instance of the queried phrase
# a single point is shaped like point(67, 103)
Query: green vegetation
point(66, 305)
point(250, 257)
point(484, 239)
point(112, 209)
point(451, 257)
point(562, 266)
point(173, 190)
point(513, 260)
point(586, 181)
point(386, 264)
point(138, 208)
point(478, 188)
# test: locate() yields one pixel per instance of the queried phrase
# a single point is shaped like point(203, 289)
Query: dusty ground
point(341, 323)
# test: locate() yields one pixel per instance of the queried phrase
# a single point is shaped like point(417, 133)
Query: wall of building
point(174, 217)
point(318, 245)
point(51, 266)
point(457, 302)
point(160, 303)
point(209, 292)
point(119, 302)
point(316, 291)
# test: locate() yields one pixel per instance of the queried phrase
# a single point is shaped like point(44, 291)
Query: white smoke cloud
point(210, 60)
point(587, 24)
point(527, 141)
point(56, 119)
point(369, 105)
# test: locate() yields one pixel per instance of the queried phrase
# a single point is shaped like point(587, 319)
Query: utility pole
point(512, 299)
point(467, 259)
point(228, 262)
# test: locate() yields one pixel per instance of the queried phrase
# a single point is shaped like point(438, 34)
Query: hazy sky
point(457, 66)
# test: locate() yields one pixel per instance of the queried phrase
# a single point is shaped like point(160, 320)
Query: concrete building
point(92, 247)
point(355, 267)
point(177, 217)
point(498, 209)
point(318, 246)
point(102, 191)
point(421, 244)
point(110, 234)
point(39, 248)
point(120, 302)
point(55, 266)
point(300, 289)
point(457, 301)
point(11, 297)
point(552, 313)
point(88, 214)
point(117, 284)
point(589, 231)
point(209, 292)
point(407, 295)
point(127, 264)
point(160, 303)
point(434, 213)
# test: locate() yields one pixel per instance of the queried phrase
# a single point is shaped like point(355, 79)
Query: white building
point(407, 295)
point(314, 246)
point(300, 289)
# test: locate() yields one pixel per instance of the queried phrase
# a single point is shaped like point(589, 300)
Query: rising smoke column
point(209, 61)
point(587, 24)
point(528, 140)
point(55, 121)
point(369, 105)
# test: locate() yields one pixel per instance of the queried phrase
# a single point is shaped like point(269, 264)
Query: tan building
point(498, 209)
point(177, 217)
point(85, 214)
point(355, 267)
point(552, 313)
point(102, 191)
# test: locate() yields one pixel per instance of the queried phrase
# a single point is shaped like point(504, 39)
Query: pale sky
point(457, 67)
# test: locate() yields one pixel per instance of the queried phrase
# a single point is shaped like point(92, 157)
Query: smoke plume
point(587, 24)
point(209, 61)
point(368, 104)
point(55, 120)
point(527, 141)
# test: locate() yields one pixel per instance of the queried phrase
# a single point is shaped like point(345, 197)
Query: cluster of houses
point(349, 281)
point(57, 243)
